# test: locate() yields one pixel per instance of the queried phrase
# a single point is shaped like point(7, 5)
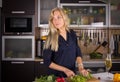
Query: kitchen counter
point(93, 65)
point(98, 62)
point(87, 61)
point(103, 77)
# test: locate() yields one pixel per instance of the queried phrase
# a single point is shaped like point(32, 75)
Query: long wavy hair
point(52, 38)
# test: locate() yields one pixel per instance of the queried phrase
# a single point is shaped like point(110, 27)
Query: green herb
point(80, 78)
point(49, 78)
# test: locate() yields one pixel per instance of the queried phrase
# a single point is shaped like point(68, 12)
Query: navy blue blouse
point(65, 56)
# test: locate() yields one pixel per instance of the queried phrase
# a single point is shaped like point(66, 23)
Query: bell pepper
point(116, 77)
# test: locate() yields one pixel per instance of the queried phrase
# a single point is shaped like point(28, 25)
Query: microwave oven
point(18, 47)
point(18, 25)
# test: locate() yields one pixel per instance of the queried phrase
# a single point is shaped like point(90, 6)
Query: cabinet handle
point(17, 62)
point(19, 12)
point(42, 62)
point(83, 1)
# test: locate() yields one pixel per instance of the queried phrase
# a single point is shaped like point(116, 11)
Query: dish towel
point(111, 46)
point(104, 77)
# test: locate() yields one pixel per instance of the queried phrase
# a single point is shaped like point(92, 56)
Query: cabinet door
point(18, 48)
point(17, 71)
point(115, 68)
point(19, 6)
point(86, 14)
point(40, 69)
point(44, 8)
point(80, 1)
point(69, 1)
point(0, 3)
point(115, 13)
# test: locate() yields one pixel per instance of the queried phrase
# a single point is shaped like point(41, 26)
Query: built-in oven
point(18, 47)
point(18, 24)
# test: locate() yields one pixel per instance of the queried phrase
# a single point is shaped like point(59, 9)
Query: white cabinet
point(114, 13)
point(87, 15)
point(44, 8)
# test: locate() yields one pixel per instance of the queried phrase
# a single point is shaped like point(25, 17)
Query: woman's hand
point(84, 72)
point(69, 72)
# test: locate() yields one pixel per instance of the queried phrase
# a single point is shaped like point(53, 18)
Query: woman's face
point(58, 21)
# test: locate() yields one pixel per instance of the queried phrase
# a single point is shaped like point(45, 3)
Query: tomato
point(60, 79)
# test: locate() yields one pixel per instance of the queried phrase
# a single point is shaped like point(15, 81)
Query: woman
point(61, 51)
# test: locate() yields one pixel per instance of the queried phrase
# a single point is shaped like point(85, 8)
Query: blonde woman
point(61, 51)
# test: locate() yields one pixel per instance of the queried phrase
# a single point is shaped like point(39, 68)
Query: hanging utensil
point(80, 35)
point(90, 40)
point(98, 37)
point(116, 46)
point(101, 35)
point(85, 38)
point(105, 35)
point(94, 37)
point(119, 45)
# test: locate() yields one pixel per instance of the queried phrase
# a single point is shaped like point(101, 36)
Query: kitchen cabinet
point(44, 8)
point(87, 15)
point(115, 14)
point(79, 1)
point(0, 3)
point(19, 7)
point(94, 66)
point(17, 71)
point(69, 1)
point(40, 68)
point(115, 67)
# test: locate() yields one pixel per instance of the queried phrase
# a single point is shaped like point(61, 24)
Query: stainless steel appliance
point(40, 44)
point(18, 24)
point(18, 47)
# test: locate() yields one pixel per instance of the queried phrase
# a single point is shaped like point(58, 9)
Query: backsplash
point(90, 39)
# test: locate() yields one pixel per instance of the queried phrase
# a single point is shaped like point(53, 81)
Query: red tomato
point(60, 79)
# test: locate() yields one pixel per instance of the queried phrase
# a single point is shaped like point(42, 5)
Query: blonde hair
point(52, 39)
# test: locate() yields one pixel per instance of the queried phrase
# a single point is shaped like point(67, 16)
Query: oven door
point(18, 48)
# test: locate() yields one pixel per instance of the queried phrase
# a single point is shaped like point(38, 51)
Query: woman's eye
point(59, 17)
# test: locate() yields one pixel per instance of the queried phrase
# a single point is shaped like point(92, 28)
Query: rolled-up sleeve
point(78, 50)
point(47, 55)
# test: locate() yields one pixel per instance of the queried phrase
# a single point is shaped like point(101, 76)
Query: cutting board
point(93, 80)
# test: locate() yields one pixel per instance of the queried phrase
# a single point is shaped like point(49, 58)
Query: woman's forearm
point(57, 67)
point(67, 71)
point(81, 67)
point(79, 63)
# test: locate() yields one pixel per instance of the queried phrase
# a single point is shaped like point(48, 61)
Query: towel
point(111, 46)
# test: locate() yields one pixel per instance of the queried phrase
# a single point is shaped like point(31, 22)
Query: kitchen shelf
point(114, 14)
point(86, 15)
point(44, 8)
